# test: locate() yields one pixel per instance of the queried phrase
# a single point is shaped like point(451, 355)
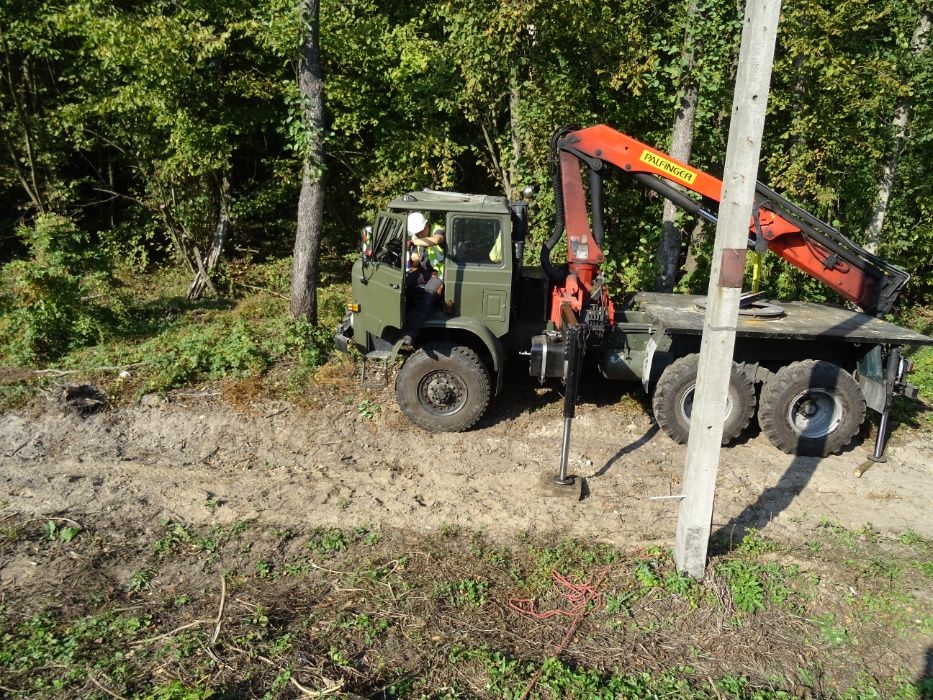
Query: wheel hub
point(442, 392)
point(814, 413)
point(686, 403)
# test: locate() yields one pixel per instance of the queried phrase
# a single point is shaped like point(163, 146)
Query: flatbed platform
point(681, 313)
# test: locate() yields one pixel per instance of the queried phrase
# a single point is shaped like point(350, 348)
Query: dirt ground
point(223, 485)
point(346, 456)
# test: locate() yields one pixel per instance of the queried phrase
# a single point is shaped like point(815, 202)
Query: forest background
point(136, 136)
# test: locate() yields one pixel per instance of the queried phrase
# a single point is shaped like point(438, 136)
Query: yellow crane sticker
point(676, 171)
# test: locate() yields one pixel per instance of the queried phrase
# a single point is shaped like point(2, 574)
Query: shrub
point(46, 308)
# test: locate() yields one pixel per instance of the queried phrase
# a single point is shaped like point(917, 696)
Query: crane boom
point(775, 223)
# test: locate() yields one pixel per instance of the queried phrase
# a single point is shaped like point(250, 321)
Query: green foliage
point(748, 591)
point(45, 307)
point(372, 627)
point(755, 585)
point(922, 376)
point(833, 634)
point(178, 691)
point(142, 123)
point(64, 534)
point(466, 593)
point(54, 655)
point(910, 537)
point(139, 581)
point(327, 540)
point(508, 678)
point(368, 409)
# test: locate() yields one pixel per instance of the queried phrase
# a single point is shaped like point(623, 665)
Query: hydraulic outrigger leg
point(574, 345)
point(891, 379)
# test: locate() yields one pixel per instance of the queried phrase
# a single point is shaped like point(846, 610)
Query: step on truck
point(808, 371)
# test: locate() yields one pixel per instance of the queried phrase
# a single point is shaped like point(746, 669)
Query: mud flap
point(650, 347)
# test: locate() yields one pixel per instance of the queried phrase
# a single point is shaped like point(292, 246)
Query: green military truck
point(807, 370)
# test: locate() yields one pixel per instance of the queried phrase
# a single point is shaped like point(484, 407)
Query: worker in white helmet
point(432, 288)
point(433, 243)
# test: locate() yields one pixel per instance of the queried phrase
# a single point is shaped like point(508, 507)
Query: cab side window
point(476, 241)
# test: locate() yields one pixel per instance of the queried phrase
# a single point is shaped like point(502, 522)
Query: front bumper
point(344, 334)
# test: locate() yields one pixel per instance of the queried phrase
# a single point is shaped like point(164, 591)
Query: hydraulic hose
point(554, 274)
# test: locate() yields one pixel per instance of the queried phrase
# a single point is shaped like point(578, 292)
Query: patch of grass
point(756, 585)
point(263, 569)
point(175, 535)
point(466, 593)
point(429, 616)
point(371, 626)
point(367, 535)
point(327, 540)
point(835, 635)
point(508, 677)
point(16, 392)
point(571, 557)
point(909, 538)
point(50, 655)
point(368, 409)
point(166, 341)
point(922, 376)
point(139, 581)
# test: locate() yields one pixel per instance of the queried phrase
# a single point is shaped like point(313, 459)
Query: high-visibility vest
point(436, 258)
point(436, 254)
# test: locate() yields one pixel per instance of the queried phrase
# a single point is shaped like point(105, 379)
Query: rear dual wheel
point(673, 400)
point(812, 407)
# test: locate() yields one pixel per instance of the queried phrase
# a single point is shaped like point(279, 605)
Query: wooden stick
point(106, 690)
point(150, 640)
point(220, 610)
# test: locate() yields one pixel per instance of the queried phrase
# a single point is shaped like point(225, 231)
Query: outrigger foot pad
point(550, 485)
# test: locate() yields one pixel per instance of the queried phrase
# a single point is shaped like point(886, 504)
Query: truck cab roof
point(449, 201)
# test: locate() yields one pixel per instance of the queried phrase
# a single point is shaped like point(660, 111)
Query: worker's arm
point(428, 241)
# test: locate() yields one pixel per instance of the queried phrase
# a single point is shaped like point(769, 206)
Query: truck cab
point(474, 314)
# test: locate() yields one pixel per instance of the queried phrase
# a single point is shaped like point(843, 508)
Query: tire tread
point(782, 384)
point(459, 353)
point(684, 369)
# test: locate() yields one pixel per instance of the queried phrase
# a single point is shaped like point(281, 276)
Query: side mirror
point(366, 250)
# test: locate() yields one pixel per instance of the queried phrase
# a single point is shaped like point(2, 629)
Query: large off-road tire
point(673, 400)
point(443, 387)
point(812, 407)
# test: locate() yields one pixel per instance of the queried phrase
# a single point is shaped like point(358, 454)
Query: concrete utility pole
point(756, 56)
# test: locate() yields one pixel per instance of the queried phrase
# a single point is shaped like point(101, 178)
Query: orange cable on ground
point(577, 595)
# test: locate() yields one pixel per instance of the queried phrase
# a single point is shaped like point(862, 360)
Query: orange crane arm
point(800, 238)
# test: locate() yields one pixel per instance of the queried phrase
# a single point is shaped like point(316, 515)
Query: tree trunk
point(668, 252)
point(697, 238)
point(206, 265)
point(514, 100)
point(918, 45)
point(496, 162)
point(305, 260)
point(32, 186)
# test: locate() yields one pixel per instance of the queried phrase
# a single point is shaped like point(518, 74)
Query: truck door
point(383, 303)
point(478, 274)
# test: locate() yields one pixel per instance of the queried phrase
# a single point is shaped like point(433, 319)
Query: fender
point(480, 331)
